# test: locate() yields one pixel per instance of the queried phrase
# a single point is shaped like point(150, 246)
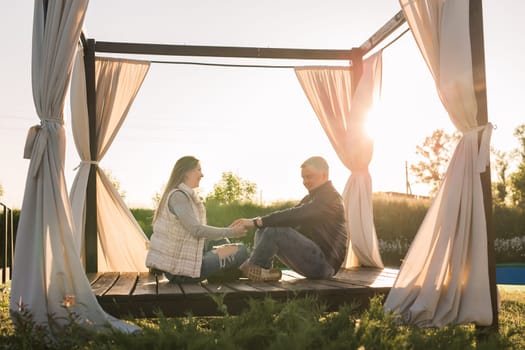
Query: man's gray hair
point(316, 162)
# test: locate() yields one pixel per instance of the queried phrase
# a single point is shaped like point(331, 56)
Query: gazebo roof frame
point(250, 52)
point(91, 47)
point(354, 56)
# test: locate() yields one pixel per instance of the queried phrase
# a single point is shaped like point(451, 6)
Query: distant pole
point(11, 243)
point(3, 241)
point(478, 72)
point(407, 183)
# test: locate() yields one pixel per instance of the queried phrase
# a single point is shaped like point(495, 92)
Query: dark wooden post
point(357, 67)
point(3, 243)
point(478, 71)
point(11, 228)
point(6, 243)
point(91, 228)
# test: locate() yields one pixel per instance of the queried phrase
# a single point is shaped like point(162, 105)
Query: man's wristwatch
point(257, 222)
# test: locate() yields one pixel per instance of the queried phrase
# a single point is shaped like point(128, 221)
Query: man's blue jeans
point(294, 249)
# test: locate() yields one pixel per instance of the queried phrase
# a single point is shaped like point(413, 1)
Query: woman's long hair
point(181, 167)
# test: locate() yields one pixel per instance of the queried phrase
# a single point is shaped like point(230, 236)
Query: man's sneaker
point(257, 273)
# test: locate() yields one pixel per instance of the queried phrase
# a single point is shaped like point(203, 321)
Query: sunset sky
point(255, 122)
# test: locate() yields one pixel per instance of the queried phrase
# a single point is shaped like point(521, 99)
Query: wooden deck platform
point(142, 294)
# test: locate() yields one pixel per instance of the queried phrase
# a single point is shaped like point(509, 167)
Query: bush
point(144, 218)
point(509, 250)
point(223, 215)
point(397, 219)
point(508, 222)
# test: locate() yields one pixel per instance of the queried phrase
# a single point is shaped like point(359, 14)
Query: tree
point(501, 166)
point(434, 155)
point(115, 183)
point(517, 179)
point(157, 196)
point(231, 188)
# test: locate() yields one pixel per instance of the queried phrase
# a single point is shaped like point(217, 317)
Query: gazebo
point(448, 275)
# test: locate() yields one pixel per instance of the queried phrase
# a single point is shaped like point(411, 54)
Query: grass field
point(303, 323)
point(298, 324)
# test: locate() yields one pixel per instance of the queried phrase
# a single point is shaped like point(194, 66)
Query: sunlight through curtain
point(122, 245)
point(343, 117)
point(444, 278)
point(48, 278)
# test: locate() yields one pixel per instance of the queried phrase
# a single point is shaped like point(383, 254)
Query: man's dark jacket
point(319, 216)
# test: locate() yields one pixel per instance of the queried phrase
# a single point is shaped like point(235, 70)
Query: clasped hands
point(241, 226)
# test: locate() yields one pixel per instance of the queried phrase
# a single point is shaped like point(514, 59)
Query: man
point(309, 238)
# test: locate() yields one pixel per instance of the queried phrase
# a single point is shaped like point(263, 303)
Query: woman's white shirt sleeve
point(179, 205)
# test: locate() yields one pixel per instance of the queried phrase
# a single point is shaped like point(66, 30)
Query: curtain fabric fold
point(48, 278)
point(122, 245)
point(343, 118)
point(444, 277)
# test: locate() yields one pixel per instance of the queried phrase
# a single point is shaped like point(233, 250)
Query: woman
point(177, 246)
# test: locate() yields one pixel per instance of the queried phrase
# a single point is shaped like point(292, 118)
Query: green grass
point(298, 324)
point(396, 219)
point(511, 264)
point(266, 324)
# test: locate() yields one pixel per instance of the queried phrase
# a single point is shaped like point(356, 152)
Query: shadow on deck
point(143, 294)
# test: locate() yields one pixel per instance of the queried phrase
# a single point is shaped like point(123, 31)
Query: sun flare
point(373, 127)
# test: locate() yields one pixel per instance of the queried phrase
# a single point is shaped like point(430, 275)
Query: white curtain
point(343, 117)
point(48, 278)
point(444, 277)
point(122, 245)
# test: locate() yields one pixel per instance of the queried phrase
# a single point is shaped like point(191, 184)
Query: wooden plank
point(192, 289)
point(168, 298)
point(124, 285)
point(243, 293)
point(217, 288)
point(268, 287)
point(332, 295)
point(172, 299)
point(306, 285)
point(117, 299)
point(321, 292)
point(146, 284)
point(143, 300)
point(93, 276)
point(167, 288)
point(198, 299)
point(350, 288)
point(242, 287)
point(341, 284)
point(365, 276)
point(348, 291)
point(104, 283)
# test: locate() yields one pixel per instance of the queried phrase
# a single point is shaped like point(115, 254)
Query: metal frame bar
point(480, 84)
